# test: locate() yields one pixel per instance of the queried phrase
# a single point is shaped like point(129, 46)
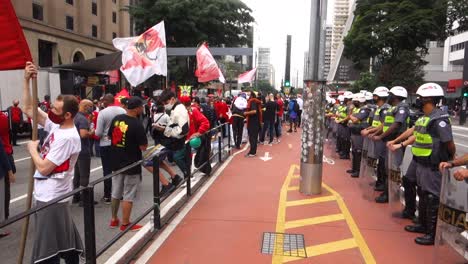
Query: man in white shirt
point(300, 102)
point(54, 177)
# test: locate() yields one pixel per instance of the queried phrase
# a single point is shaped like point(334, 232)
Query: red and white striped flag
point(143, 56)
point(247, 77)
point(207, 68)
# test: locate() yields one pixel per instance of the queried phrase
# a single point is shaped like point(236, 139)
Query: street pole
point(313, 110)
point(464, 102)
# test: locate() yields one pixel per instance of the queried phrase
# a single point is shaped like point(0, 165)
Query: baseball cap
point(134, 102)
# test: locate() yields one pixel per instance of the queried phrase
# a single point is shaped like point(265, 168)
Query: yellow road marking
point(281, 218)
point(281, 224)
point(314, 221)
point(311, 201)
point(326, 248)
point(365, 251)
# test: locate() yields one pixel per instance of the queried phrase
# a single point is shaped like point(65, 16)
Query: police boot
point(383, 198)
point(345, 152)
point(432, 204)
point(380, 184)
point(338, 145)
point(353, 164)
point(410, 199)
point(357, 164)
point(420, 226)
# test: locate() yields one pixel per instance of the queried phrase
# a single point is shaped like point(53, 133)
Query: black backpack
point(296, 106)
point(209, 113)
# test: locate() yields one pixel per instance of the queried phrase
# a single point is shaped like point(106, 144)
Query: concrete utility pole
point(314, 107)
point(287, 73)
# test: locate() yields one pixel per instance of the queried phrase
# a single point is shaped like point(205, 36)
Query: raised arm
point(30, 72)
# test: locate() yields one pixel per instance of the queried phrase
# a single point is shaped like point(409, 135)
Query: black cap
point(134, 102)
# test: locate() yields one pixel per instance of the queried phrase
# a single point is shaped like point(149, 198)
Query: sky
point(275, 19)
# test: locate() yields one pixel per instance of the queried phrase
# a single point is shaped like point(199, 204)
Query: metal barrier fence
point(91, 253)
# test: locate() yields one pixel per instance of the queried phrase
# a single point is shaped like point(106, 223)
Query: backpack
point(209, 113)
point(296, 107)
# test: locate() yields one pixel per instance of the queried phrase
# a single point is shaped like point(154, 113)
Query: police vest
point(370, 119)
point(376, 121)
point(422, 147)
point(426, 143)
point(342, 114)
point(390, 118)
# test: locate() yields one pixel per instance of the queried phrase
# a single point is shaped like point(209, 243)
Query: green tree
point(264, 87)
point(395, 32)
point(367, 81)
point(188, 23)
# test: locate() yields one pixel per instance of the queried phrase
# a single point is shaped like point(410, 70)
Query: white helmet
point(369, 96)
point(359, 97)
point(399, 91)
point(430, 90)
point(341, 98)
point(381, 91)
point(348, 95)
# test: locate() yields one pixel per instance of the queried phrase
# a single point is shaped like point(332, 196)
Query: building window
point(37, 12)
point(69, 22)
point(114, 35)
point(45, 53)
point(114, 17)
point(70, 2)
point(94, 31)
point(94, 7)
point(78, 57)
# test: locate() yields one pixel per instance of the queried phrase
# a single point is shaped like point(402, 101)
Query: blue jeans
point(270, 125)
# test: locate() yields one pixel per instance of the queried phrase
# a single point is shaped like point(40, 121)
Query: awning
point(103, 63)
point(453, 85)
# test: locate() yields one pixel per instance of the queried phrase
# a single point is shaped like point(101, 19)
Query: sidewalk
point(252, 196)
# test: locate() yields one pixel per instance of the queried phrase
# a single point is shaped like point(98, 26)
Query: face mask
point(419, 104)
point(169, 106)
point(56, 119)
point(356, 104)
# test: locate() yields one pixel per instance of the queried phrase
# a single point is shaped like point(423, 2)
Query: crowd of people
point(72, 130)
point(372, 125)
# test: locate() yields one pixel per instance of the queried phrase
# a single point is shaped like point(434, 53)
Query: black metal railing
point(91, 252)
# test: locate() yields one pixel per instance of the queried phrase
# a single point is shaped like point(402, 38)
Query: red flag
point(247, 77)
point(120, 95)
point(14, 50)
point(207, 68)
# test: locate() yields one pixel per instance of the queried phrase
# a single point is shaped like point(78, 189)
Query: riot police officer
point(380, 98)
point(433, 144)
point(358, 121)
point(395, 123)
point(343, 129)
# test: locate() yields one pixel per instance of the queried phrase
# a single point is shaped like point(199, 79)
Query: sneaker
point(250, 155)
point(166, 189)
point(133, 229)
point(106, 200)
point(177, 180)
point(114, 224)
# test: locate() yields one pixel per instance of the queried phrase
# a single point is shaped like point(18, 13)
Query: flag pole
point(32, 169)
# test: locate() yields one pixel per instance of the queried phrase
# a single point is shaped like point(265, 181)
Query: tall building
point(66, 31)
point(328, 47)
point(263, 65)
point(340, 17)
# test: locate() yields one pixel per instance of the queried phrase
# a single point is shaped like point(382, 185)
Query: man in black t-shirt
point(83, 164)
point(128, 139)
point(269, 118)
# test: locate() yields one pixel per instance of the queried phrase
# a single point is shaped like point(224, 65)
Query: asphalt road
point(9, 245)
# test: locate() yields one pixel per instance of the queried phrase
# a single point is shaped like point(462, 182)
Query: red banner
point(14, 50)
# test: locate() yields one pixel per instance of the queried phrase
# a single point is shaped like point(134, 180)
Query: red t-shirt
point(221, 109)
point(198, 122)
point(280, 104)
point(5, 133)
point(15, 114)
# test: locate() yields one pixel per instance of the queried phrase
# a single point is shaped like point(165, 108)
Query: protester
point(253, 114)
point(5, 139)
point(269, 117)
point(16, 116)
point(6, 172)
point(293, 109)
point(221, 109)
point(207, 110)
point(238, 118)
point(83, 164)
point(94, 140)
point(279, 117)
point(102, 127)
point(160, 119)
point(177, 130)
point(54, 177)
point(300, 103)
point(128, 139)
